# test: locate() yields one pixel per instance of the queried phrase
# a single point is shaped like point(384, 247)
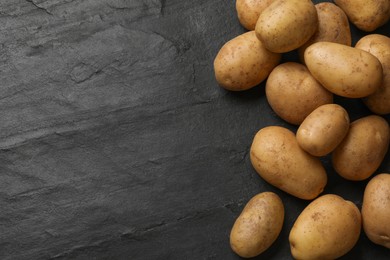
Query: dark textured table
point(117, 143)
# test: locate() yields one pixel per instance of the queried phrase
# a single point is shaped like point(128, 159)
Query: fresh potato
point(286, 25)
point(258, 225)
point(362, 151)
point(323, 130)
point(333, 26)
point(293, 93)
point(278, 159)
point(376, 210)
point(367, 15)
point(326, 229)
point(248, 11)
point(344, 70)
point(379, 46)
point(244, 62)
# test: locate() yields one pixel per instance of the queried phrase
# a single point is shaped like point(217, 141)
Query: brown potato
point(258, 225)
point(326, 229)
point(362, 151)
point(278, 159)
point(376, 210)
point(293, 93)
point(248, 11)
point(367, 15)
point(243, 63)
point(379, 46)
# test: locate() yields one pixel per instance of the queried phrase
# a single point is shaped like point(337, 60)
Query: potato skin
point(278, 159)
point(354, 73)
point(293, 93)
point(333, 26)
point(376, 210)
point(248, 11)
point(326, 229)
point(286, 25)
point(243, 63)
point(362, 151)
point(323, 130)
point(367, 15)
point(379, 46)
point(258, 225)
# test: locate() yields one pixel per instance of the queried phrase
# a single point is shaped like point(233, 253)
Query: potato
point(323, 130)
point(244, 62)
point(258, 225)
point(333, 26)
point(344, 70)
point(379, 46)
point(367, 15)
point(362, 151)
point(326, 229)
point(293, 93)
point(376, 210)
point(278, 159)
point(286, 25)
point(248, 11)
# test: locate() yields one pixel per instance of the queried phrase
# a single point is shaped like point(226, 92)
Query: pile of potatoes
point(302, 94)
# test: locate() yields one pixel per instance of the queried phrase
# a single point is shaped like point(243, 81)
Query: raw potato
point(258, 225)
point(344, 70)
point(376, 210)
point(362, 151)
point(379, 46)
point(244, 62)
point(278, 159)
point(367, 15)
point(326, 229)
point(333, 26)
point(286, 25)
point(323, 130)
point(248, 11)
point(293, 93)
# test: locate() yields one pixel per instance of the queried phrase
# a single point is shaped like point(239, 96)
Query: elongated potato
point(244, 62)
point(248, 11)
point(278, 159)
point(258, 225)
point(344, 70)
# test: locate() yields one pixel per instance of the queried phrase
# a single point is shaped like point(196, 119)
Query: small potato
point(323, 130)
point(258, 225)
point(333, 26)
point(327, 228)
point(278, 159)
point(376, 210)
point(244, 62)
point(344, 70)
point(248, 11)
point(293, 93)
point(286, 25)
point(362, 151)
point(379, 46)
point(367, 15)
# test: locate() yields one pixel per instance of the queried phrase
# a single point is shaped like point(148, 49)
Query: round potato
point(344, 70)
point(293, 93)
point(379, 46)
point(248, 11)
point(286, 25)
point(362, 151)
point(376, 210)
point(323, 130)
point(367, 15)
point(244, 62)
point(333, 26)
point(278, 159)
point(326, 229)
point(258, 225)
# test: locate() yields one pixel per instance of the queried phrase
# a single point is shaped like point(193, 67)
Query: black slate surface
point(117, 143)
